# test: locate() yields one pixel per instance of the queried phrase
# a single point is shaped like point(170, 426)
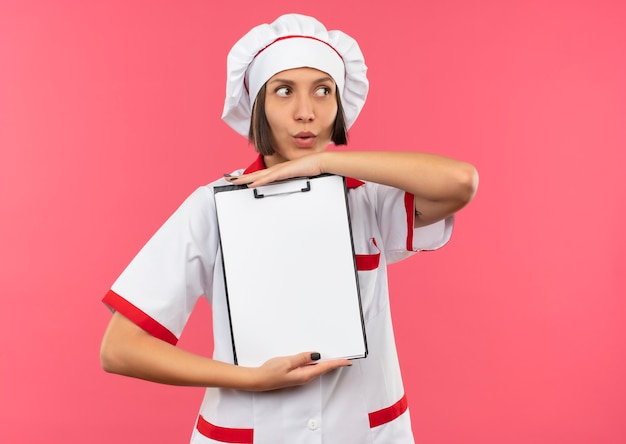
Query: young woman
point(293, 88)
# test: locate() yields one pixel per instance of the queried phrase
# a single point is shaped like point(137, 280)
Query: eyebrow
point(291, 82)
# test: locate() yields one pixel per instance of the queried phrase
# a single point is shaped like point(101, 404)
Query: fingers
point(305, 358)
point(305, 370)
point(331, 364)
point(295, 370)
point(250, 180)
point(236, 180)
point(257, 178)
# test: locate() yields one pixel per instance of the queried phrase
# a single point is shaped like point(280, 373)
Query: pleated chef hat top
point(292, 41)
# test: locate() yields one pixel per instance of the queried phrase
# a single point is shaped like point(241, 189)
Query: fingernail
point(315, 356)
point(227, 175)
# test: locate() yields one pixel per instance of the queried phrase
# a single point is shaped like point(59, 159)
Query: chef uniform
point(361, 404)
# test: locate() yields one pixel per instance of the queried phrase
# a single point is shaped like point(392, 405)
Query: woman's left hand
point(309, 165)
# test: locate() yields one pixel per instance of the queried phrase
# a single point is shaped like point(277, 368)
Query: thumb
point(306, 358)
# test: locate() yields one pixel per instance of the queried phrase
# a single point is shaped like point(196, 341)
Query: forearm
point(428, 175)
point(129, 351)
point(441, 185)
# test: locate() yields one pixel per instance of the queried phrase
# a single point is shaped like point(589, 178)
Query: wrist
point(249, 379)
point(323, 162)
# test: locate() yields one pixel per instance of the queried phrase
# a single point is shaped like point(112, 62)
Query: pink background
point(513, 333)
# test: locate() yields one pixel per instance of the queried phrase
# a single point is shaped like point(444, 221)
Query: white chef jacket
point(361, 404)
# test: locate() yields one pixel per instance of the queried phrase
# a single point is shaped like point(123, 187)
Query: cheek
point(274, 114)
point(329, 121)
point(274, 122)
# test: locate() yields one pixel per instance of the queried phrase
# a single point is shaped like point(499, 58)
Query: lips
point(304, 139)
point(304, 135)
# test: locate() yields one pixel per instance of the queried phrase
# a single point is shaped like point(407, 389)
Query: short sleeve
point(161, 285)
point(395, 213)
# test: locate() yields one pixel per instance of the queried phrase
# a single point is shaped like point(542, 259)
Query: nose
point(304, 110)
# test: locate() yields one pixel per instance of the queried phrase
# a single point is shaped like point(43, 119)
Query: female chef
point(293, 88)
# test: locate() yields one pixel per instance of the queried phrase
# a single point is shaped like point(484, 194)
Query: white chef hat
point(292, 41)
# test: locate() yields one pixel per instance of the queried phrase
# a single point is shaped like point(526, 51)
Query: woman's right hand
point(288, 371)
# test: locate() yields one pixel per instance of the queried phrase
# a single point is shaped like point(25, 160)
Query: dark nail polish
point(227, 175)
point(315, 356)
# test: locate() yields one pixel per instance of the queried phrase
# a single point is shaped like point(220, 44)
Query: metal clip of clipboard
point(259, 195)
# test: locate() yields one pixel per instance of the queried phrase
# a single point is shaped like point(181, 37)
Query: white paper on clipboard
point(289, 268)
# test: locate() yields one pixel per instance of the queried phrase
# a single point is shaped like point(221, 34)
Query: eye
point(282, 91)
point(323, 91)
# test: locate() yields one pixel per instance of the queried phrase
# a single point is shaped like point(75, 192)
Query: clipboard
point(290, 270)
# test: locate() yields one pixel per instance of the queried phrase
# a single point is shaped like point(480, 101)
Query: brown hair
point(260, 134)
